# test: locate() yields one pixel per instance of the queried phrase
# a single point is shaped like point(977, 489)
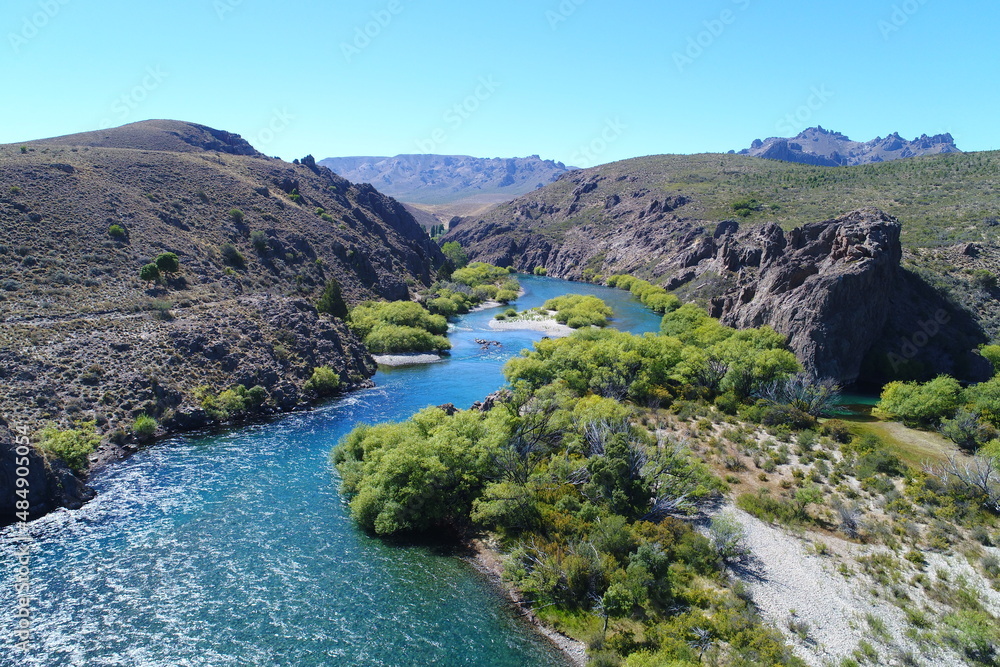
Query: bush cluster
point(577, 311)
point(233, 403)
point(652, 296)
point(71, 445)
point(399, 326)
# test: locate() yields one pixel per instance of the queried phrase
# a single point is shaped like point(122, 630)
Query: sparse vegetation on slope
point(169, 256)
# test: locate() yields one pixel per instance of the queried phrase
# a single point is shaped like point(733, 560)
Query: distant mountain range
point(832, 149)
point(445, 179)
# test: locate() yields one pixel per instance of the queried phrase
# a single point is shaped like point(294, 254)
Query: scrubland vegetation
point(591, 472)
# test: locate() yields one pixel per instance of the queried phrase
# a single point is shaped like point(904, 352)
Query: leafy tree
point(984, 399)
point(332, 301)
point(236, 215)
point(167, 262)
point(992, 354)
point(455, 254)
point(149, 273)
point(417, 476)
point(915, 403)
point(117, 232)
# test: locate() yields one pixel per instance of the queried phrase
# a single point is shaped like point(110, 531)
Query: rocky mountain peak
point(822, 147)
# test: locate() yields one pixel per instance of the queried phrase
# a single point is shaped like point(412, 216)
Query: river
point(237, 549)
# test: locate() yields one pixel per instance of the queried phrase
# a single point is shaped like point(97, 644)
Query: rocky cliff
point(84, 338)
point(832, 149)
point(832, 287)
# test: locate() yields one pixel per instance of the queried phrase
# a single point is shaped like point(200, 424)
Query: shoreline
point(487, 560)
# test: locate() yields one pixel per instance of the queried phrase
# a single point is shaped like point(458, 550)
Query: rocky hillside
point(82, 337)
point(837, 288)
point(442, 179)
point(832, 149)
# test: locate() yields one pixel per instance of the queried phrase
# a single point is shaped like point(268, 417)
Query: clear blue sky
point(529, 76)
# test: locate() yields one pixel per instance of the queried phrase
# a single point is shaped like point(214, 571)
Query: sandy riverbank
point(406, 359)
point(489, 562)
point(550, 327)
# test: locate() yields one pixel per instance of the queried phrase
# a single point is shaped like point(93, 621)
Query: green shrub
point(767, 508)
point(236, 215)
point(837, 430)
point(72, 445)
point(144, 426)
point(323, 382)
point(746, 206)
point(326, 217)
point(787, 415)
point(149, 273)
point(541, 271)
point(258, 240)
point(416, 476)
point(116, 232)
point(167, 262)
point(232, 256)
point(984, 279)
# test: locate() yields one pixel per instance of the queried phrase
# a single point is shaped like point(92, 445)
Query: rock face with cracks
point(835, 288)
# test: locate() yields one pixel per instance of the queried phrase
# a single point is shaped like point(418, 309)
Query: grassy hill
point(941, 199)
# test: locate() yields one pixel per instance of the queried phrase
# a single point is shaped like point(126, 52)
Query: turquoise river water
point(237, 549)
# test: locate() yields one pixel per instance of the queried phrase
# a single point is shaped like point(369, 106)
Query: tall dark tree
point(332, 300)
